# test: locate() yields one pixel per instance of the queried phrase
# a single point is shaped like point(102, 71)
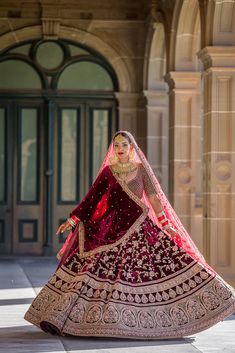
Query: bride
point(128, 267)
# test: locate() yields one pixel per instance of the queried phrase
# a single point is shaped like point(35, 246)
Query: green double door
point(50, 152)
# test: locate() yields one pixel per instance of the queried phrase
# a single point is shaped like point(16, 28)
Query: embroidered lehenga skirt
point(135, 290)
point(139, 284)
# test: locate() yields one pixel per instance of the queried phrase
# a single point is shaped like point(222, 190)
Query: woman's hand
point(63, 227)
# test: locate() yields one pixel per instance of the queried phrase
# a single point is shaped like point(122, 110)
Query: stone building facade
point(172, 66)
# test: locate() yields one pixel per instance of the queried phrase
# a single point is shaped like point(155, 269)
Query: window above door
point(55, 65)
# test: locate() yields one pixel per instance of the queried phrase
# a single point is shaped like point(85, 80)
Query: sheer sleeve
point(148, 186)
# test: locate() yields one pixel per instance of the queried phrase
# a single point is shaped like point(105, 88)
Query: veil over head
point(183, 240)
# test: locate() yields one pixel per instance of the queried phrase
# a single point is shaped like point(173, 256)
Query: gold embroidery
point(188, 300)
point(150, 287)
point(83, 313)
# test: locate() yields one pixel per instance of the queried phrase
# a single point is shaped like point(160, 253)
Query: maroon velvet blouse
point(107, 211)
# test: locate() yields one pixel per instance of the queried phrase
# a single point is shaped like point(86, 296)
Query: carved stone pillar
point(185, 150)
point(157, 134)
point(132, 115)
point(219, 158)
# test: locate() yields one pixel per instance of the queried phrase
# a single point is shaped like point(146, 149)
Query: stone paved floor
point(20, 280)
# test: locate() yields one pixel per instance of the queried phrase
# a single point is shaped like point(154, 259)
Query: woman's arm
point(157, 207)
point(86, 207)
point(156, 204)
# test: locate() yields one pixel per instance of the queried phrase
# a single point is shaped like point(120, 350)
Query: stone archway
point(80, 36)
point(130, 103)
point(188, 39)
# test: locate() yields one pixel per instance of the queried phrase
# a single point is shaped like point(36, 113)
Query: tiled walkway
point(20, 280)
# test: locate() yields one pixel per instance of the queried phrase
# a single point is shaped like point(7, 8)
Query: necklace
point(127, 167)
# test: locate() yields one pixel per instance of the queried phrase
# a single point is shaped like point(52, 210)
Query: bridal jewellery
point(73, 220)
point(161, 216)
point(121, 168)
point(163, 220)
point(119, 138)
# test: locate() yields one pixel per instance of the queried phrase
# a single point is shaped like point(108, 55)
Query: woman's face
point(122, 148)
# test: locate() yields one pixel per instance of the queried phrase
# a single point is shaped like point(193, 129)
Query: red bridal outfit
point(122, 275)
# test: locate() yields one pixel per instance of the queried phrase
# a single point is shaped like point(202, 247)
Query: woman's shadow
point(30, 339)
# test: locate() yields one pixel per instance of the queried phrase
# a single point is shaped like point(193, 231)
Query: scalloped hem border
point(119, 333)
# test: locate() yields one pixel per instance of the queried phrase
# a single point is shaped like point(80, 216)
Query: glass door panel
point(102, 125)
point(68, 158)
point(28, 158)
point(100, 122)
point(28, 200)
point(68, 162)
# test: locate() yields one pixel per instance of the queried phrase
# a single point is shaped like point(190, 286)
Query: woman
point(128, 267)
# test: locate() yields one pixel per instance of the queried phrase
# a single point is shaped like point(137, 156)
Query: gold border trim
point(140, 288)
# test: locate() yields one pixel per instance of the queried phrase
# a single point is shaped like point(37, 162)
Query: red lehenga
point(121, 275)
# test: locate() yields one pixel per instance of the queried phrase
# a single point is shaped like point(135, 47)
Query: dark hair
point(124, 134)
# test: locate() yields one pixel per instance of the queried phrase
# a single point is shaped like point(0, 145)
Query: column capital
point(157, 98)
point(130, 100)
point(217, 57)
point(183, 80)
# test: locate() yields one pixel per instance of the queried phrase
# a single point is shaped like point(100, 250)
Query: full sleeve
point(87, 206)
point(148, 186)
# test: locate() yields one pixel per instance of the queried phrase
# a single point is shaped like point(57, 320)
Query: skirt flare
point(139, 289)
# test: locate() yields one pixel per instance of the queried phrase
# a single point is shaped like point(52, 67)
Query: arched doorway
point(57, 115)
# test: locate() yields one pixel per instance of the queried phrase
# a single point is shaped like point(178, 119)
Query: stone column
point(185, 150)
point(219, 158)
point(157, 134)
point(132, 115)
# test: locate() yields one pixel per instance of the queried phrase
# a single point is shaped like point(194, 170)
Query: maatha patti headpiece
point(119, 138)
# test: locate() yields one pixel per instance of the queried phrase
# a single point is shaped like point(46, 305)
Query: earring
point(113, 159)
point(132, 155)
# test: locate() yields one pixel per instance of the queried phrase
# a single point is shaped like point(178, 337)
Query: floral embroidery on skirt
point(146, 287)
